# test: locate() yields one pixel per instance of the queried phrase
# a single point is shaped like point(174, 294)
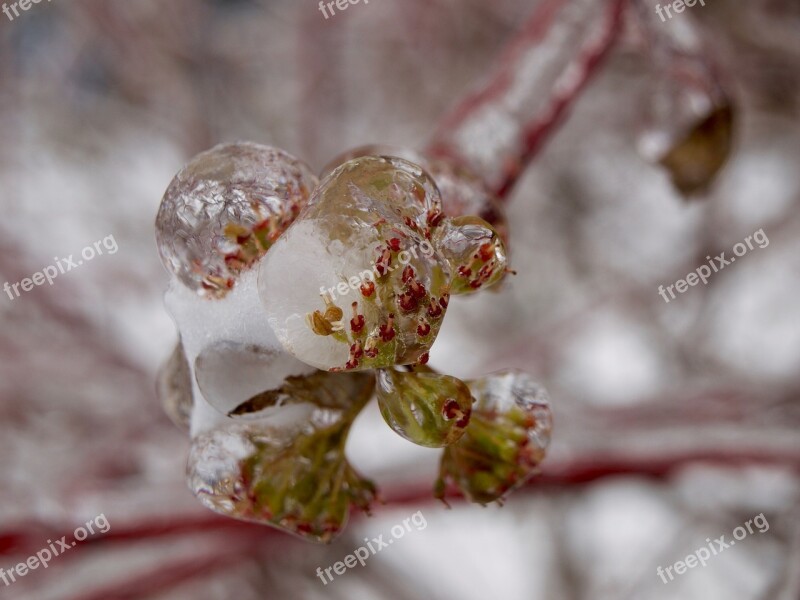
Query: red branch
point(168, 576)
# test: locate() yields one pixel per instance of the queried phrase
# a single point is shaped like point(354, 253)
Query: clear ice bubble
point(224, 210)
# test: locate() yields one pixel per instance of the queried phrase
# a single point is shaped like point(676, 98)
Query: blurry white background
point(674, 422)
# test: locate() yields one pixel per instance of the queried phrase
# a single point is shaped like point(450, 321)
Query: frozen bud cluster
point(224, 209)
point(372, 262)
point(275, 276)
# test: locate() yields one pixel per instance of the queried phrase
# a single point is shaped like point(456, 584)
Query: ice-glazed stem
point(690, 114)
point(498, 128)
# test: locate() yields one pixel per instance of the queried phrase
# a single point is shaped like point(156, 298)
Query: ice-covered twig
point(496, 130)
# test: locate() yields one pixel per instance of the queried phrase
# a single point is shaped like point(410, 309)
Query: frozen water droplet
point(425, 408)
point(689, 115)
point(224, 209)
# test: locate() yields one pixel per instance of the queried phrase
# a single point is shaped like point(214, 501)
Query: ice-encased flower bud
point(506, 439)
point(355, 283)
point(224, 209)
point(285, 470)
point(475, 252)
point(427, 409)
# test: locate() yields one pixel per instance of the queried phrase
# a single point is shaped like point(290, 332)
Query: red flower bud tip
point(486, 252)
point(451, 410)
point(357, 324)
point(408, 273)
point(383, 262)
point(394, 244)
point(367, 289)
point(435, 217)
point(423, 328)
point(486, 271)
point(407, 302)
point(423, 360)
point(417, 289)
point(434, 310)
point(387, 329)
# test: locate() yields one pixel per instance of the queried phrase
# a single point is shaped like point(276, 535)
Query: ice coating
point(174, 388)
point(462, 192)
point(475, 251)
point(228, 353)
point(228, 373)
point(464, 195)
point(689, 116)
point(224, 209)
point(236, 322)
point(355, 283)
point(236, 456)
point(294, 476)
